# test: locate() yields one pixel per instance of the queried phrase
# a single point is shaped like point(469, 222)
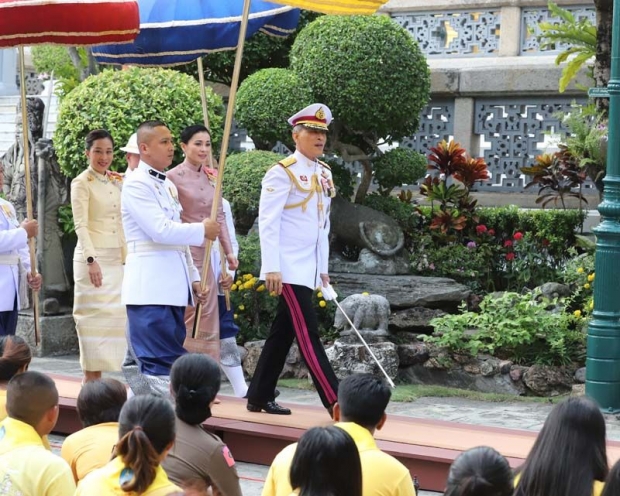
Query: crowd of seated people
point(156, 446)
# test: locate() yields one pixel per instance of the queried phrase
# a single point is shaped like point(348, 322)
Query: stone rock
point(457, 378)
point(472, 367)
point(580, 375)
point(516, 372)
point(242, 352)
point(415, 319)
point(294, 366)
point(58, 336)
point(578, 390)
point(553, 290)
point(51, 306)
point(412, 354)
point(371, 263)
point(545, 380)
point(504, 366)
point(349, 358)
point(489, 367)
point(367, 312)
point(405, 291)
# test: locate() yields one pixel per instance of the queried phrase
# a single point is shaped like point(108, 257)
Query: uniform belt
point(9, 259)
point(150, 246)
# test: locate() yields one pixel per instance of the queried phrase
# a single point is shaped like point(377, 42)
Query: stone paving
point(515, 415)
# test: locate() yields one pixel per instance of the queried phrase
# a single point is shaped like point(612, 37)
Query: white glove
point(329, 293)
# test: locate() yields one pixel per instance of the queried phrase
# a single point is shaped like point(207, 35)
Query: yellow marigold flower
point(235, 316)
point(580, 270)
point(273, 293)
point(365, 293)
point(591, 305)
point(587, 285)
point(248, 285)
point(261, 288)
point(241, 307)
point(233, 287)
point(577, 313)
point(319, 294)
point(322, 304)
point(247, 277)
point(591, 277)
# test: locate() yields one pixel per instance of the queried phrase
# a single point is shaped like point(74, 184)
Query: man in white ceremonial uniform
point(294, 225)
point(13, 252)
point(160, 277)
point(132, 153)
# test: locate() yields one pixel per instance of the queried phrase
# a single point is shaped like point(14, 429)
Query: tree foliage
point(120, 100)
point(397, 167)
point(266, 100)
point(244, 173)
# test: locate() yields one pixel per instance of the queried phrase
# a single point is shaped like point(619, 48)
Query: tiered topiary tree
point(372, 75)
point(119, 101)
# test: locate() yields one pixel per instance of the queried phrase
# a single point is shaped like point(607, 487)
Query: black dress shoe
point(269, 407)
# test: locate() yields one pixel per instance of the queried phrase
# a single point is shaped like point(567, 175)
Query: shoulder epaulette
point(288, 161)
point(325, 165)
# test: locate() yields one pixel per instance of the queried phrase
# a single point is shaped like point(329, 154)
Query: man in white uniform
point(294, 224)
point(13, 251)
point(160, 277)
point(132, 153)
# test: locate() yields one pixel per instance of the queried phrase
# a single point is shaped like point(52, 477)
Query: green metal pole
point(603, 355)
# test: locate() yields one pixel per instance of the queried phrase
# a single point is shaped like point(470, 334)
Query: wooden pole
point(225, 140)
point(29, 212)
point(205, 115)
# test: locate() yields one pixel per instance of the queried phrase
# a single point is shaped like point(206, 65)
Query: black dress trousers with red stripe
point(295, 318)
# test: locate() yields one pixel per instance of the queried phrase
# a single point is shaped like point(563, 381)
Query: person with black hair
point(195, 181)
point(198, 457)
point(146, 432)
point(360, 410)
point(15, 357)
point(480, 471)
point(98, 260)
point(322, 456)
point(612, 482)
point(26, 464)
point(98, 406)
point(160, 276)
point(569, 456)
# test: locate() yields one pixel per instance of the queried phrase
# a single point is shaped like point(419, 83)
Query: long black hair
point(612, 482)
point(480, 471)
point(195, 379)
point(326, 463)
point(569, 453)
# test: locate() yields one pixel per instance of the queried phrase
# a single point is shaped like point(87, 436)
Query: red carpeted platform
point(426, 447)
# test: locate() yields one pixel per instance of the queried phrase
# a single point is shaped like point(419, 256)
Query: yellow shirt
point(597, 488)
point(382, 474)
point(96, 205)
point(26, 467)
point(105, 481)
point(2, 404)
point(90, 448)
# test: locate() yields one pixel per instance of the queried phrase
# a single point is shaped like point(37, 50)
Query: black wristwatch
point(90, 260)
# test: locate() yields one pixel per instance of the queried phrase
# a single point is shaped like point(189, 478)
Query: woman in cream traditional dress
point(98, 261)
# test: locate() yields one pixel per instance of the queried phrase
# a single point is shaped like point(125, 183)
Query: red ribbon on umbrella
point(65, 22)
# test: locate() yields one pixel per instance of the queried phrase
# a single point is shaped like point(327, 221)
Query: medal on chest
point(9, 215)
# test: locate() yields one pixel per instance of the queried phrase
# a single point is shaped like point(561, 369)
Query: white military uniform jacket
point(293, 220)
point(159, 268)
point(13, 245)
point(216, 260)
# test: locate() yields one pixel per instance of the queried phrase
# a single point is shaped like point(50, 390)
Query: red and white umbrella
point(63, 22)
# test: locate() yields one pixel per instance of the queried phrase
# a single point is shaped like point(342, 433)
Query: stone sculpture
point(367, 312)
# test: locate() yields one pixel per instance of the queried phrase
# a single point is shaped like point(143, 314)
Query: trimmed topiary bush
point(242, 184)
point(266, 100)
point(119, 101)
point(397, 167)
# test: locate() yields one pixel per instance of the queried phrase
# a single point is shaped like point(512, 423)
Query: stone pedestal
point(8, 72)
point(58, 336)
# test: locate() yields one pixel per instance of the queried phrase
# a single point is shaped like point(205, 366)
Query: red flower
point(491, 232)
point(507, 243)
point(518, 236)
point(545, 242)
point(510, 256)
point(481, 229)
